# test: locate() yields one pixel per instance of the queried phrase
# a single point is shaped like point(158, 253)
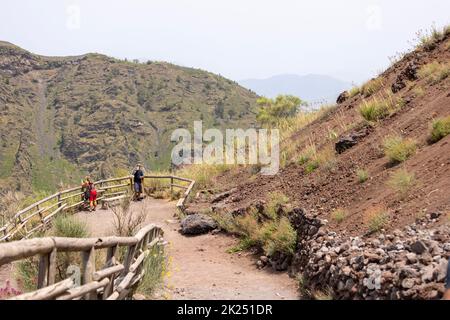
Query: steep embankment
point(336, 184)
point(64, 116)
point(367, 227)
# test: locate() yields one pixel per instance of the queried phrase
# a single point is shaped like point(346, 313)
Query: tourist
point(138, 178)
point(92, 197)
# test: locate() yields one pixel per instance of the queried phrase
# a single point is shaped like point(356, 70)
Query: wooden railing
point(115, 280)
point(38, 216)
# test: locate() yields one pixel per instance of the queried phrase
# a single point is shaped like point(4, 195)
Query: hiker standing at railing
point(92, 197)
point(86, 190)
point(138, 179)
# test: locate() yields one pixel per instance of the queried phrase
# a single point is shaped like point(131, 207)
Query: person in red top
point(92, 197)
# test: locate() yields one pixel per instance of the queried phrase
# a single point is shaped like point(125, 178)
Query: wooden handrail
point(118, 278)
point(38, 215)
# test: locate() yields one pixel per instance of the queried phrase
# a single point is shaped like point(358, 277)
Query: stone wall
point(405, 264)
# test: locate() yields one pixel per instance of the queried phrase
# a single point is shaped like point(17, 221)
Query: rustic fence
point(116, 279)
point(38, 216)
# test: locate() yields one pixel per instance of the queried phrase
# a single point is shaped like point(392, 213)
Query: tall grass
point(155, 266)
point(372, 86)
point(434, 72)
point(377, 218)
point(440, 129)
point(398, 149)
point(402, 182)
point(380, 107)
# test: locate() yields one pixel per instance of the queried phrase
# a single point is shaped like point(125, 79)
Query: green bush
point(375, 109)
point(402, 182)
point(377, 219)
point(440, 129)
point(372, 86)
point(363, 175)
point(69, 227)
point(276, 200)
point(434, 72)
point(398, 149)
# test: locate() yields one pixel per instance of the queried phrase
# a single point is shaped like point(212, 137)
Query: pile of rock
point(407, 264)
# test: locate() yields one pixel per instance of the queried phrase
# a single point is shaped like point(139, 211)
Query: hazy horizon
point(349, 40)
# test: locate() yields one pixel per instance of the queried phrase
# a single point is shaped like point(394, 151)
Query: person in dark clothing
point(138, 179)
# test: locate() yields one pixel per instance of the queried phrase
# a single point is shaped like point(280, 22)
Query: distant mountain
point(312, 87)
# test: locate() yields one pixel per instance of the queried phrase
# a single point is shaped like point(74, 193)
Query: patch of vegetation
point(69, 227)
point(271, 232)
point(377, 219)
point(440, 129)
point(313, 159)
point(427, 39)
point(354, 92)
point(363, 175)
point(339, 215)
point(155, 267)
point(372, 86)
point(273, 110)
point(398, 149)
point(275, 204)
point(418, 92)
point(380, 107)
point(126, 222)
point(434, 72)
point(307, 154)
point(402, 182)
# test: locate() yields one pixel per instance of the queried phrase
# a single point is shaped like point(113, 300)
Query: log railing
point(115, 280)
point(38, 216)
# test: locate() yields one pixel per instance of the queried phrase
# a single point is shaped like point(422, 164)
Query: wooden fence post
point(43, 271)
point(88, 271)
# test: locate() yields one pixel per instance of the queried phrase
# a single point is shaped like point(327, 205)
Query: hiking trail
point(200, 267)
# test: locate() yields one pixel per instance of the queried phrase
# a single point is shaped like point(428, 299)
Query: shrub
point(354, 91)
point(126, 222)
point(273, 110)
point(372, 86)
point(363, 175)
point(380, 107)
point(155, 266)
point(440, 129)
point(402, 181)
point(276, 201)
point(339, 215)
point(375, 109)
point(279, 236)
point(27, 273)
point(272, 235)
point(434, 72)
point(377, 219)
point(69, 227)
point(398, 149)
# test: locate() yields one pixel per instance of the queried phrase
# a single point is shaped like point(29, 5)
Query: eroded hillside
point(61, 117)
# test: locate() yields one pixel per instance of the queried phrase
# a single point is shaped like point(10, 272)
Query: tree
point(273, 110)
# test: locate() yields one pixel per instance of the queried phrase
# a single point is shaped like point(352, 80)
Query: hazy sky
point(349, 39)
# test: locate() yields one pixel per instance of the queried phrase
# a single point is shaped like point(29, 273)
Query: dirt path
point(200, 267)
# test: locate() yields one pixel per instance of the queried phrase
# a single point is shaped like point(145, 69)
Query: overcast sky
point(348, 39)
